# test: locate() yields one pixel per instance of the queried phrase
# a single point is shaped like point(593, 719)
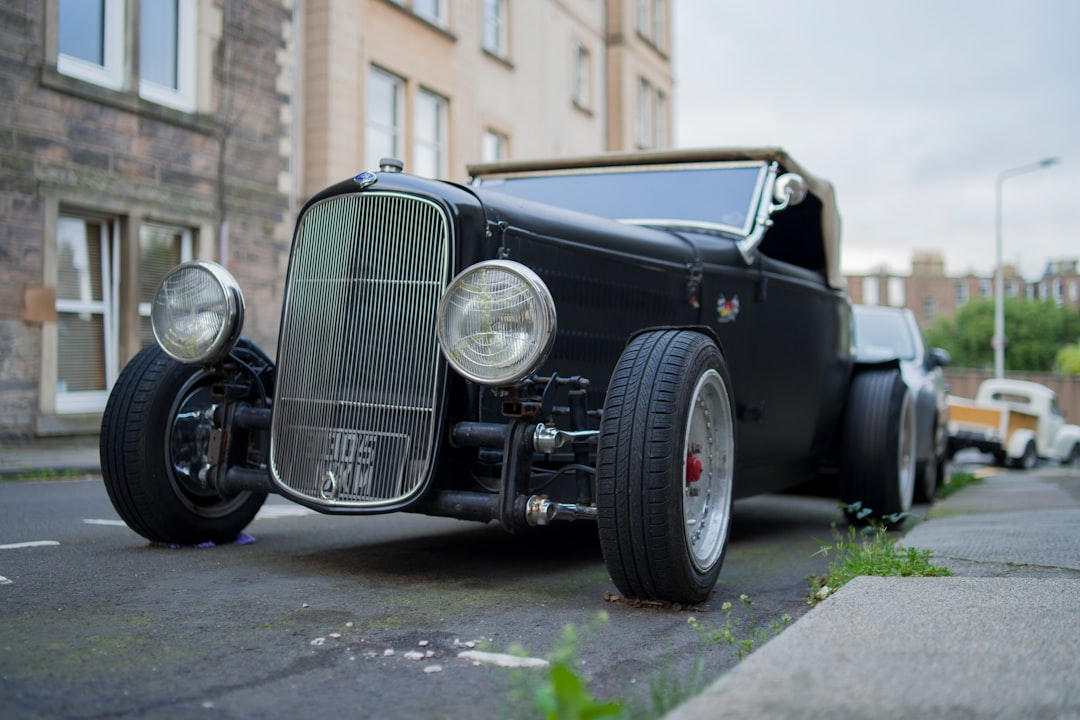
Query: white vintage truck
point(1017, 421)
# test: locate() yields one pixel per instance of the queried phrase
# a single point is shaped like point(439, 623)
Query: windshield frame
point(496, 181)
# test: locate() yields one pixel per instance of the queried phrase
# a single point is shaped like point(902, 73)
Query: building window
point(651, 17)
point(495, 146)
point(644, 114)
point(896, 292)
point(660, 124)
point(384, 116)
point(1058, 291)
point(495, 35)
point(1012, 289)
point(434, 11)
point(1074, 291)
point(961, 293)
point(870, 290)
point(89, 309)
point(161, 247)
point(929, 309)
point(984, 289)
point(166, 55)
point(87, 265)
point(92, 42)
point(582, 77)
point(429, 135)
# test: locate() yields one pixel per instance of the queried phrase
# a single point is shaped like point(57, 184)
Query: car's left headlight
point(496, 322)
point(198, 313)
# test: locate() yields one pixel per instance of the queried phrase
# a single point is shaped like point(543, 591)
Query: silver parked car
point(890, 333)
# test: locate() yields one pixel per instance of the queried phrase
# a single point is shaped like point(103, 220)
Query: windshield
point(720, 196)
point(882, 336)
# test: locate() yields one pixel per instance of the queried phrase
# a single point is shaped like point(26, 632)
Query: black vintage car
point(631, 339)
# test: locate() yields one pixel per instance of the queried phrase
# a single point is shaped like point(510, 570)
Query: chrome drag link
point(539, 510)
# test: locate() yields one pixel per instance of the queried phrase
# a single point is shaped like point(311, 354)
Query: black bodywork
point(726, 342)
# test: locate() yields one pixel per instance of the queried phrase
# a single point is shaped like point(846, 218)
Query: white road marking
point(5, 581)
point(280, 511)
point(97, 521)
point(32, 543)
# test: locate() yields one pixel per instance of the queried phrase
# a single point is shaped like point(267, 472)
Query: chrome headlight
point(496, 322)
point(198, 313)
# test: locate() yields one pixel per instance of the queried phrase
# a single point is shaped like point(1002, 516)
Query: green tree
point(1068, 360)
point(1035, 332)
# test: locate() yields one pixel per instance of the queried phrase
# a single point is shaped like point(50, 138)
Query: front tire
point(877, 456)
point(154, 426)
point(665, 467)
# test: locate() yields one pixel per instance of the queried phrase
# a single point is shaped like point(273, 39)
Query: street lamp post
point(999, 274)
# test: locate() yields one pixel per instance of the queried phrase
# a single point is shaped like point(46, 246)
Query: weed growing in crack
point(731, 631)
point(869, 551)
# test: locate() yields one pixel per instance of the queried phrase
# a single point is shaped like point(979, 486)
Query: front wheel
point(154, 437)
point(1073, 458)
point(877, 456)
point(665, 467)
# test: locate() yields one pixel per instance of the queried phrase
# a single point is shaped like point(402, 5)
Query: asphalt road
point(351, 617)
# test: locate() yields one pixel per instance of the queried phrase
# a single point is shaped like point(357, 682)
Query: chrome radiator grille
point(358, 360)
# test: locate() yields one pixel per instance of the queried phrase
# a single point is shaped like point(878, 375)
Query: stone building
point(135, 134)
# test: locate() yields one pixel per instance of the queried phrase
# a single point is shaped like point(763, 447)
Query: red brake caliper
point(693, 466)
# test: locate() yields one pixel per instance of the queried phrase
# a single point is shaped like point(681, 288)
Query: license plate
point(358, 465)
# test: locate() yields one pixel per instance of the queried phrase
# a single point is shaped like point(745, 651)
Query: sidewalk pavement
point(1000, 639)
point(41, 456)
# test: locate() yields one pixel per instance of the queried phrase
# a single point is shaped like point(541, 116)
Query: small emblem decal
point(727, 310)
point(365, 178)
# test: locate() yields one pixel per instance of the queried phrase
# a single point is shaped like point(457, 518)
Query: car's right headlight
point(496, 322)
point(198, 313)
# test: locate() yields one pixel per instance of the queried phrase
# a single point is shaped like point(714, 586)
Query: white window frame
point(396, 128)
point(660, 125)
point(111, 74)
point(438, 17)
point(90, 401)
point(182, 97)
point(895, 291)
point(871, 290)
point(436, 140)
point(582, 76)
point(493, 32)
point(644, 114)
point(494, 146)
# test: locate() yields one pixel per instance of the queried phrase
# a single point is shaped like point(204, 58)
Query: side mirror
point(790, 189)
point(939, 357)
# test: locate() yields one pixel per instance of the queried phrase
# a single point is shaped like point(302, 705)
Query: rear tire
point(1029, 459)
point(153, 425)
point(665, 467)
point(877, 455)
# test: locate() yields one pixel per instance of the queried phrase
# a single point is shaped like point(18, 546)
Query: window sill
point(501, 59)
point(128, 101)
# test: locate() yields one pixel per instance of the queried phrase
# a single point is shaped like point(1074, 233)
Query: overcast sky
point(912, 108)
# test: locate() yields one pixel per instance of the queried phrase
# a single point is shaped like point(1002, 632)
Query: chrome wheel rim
point(708, 470)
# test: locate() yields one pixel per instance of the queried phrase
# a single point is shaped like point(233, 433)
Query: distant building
point(1060, 282)
point(137, 134)
point(931, 294)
